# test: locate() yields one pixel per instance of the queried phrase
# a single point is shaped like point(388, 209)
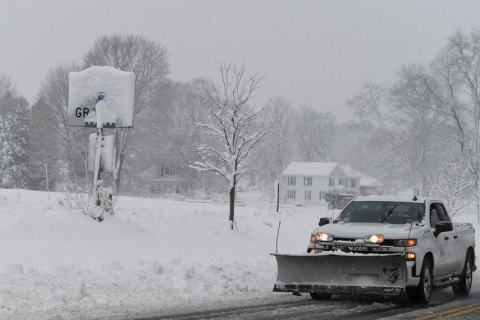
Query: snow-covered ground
point(153, 255)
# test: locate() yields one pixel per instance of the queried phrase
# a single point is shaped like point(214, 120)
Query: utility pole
point(277, 196)
point(46, 177)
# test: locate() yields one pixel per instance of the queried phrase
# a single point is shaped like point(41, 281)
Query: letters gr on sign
point(81, 112)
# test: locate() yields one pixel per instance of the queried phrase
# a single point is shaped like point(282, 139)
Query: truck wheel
point(320, 295)
point(463, 287)
point(421, 294)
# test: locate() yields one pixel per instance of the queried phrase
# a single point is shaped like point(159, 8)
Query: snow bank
point(152, 256)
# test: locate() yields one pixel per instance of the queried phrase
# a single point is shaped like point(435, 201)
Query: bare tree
point(278, 148)
point(166, 136)
point(52, 108)
point(314, 133)
point(417, 124)
point(148, 60)
point(232, 127)
point(174, 119)
point(404, 122)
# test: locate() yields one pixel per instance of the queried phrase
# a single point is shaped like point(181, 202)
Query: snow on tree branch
point(231, 127)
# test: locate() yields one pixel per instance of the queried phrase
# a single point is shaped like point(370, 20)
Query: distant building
point(370, 186)
point(313, 182)
point(167, 179)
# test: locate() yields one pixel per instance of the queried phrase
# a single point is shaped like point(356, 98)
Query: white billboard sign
point(107, 89)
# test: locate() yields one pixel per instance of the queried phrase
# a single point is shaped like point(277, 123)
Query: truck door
point(446, 242)
point(455, 262)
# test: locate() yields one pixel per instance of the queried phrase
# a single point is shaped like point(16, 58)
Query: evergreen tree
point(14, 124)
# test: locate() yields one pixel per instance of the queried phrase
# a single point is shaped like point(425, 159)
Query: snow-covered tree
point(231, 128)
point(454, 80)
point(14, 124)
point(452, 179)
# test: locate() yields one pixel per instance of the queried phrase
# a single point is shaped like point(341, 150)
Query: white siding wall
point(318, 184)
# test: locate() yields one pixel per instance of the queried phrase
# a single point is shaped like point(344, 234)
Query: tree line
point(200, 125)
point(422, 127)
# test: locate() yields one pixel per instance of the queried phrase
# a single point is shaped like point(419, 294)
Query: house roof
point(309, 169)
point(349, 171)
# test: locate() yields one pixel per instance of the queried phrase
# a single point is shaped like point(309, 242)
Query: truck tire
point(421, 293)
point(320, 295)
point(463, 287)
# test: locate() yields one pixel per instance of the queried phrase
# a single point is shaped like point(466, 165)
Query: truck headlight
point(324, 237)
point(375, 238)
point(405, 243)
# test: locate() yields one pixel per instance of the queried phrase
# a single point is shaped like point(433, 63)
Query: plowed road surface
point(444, 305)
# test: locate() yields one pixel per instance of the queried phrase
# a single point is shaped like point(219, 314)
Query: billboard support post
point(98, 159)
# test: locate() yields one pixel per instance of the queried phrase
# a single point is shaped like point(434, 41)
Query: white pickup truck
point(383, 245)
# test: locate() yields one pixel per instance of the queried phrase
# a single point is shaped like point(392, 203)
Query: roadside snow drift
point(152, 256)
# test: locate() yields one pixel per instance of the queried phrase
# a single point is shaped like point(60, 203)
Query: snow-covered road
point(443, 303)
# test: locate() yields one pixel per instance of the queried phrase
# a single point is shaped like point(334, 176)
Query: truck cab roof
point(394, 199)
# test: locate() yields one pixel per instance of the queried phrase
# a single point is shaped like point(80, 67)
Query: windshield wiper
point(386, 214)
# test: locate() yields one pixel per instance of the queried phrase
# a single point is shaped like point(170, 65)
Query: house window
point(307, 181)
point(322, 195)
point(341, 181)
point(353, 183)
point(291, 181)
point(308, 194)
point(290, 194)
point(331, 182)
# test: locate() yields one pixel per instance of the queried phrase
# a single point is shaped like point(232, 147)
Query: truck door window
point(434, 218)
point(442, 213)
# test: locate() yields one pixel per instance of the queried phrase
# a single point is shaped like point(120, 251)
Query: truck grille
point(385, 242)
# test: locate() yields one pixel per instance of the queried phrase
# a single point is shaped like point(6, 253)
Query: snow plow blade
point(382, 274)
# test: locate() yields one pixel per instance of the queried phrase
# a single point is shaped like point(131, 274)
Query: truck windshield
point(382, 212)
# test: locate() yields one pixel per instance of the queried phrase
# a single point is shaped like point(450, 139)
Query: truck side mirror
point(442, 226)
point(324, 221)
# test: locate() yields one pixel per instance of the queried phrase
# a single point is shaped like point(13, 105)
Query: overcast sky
point(316, 53)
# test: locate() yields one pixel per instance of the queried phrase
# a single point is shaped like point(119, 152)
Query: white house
point(310, 182)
